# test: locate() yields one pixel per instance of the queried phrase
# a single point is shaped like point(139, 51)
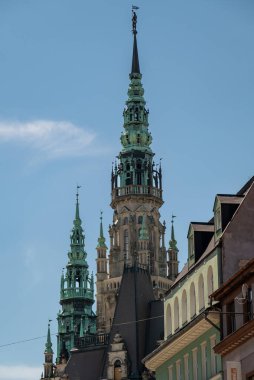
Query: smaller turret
point(102, 272)
point(48, 354)
point(76, 294)
point(172, 254)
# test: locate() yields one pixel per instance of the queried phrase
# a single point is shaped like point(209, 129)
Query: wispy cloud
point(19, 372)
point(53, 139)
point(32, 265)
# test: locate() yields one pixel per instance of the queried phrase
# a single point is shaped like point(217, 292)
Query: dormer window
point(218, 219)
point(191, 246)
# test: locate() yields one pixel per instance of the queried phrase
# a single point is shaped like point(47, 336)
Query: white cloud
point(51, 138)
point(19, 372)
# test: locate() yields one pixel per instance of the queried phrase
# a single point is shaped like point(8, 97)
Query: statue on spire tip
point(134, 19)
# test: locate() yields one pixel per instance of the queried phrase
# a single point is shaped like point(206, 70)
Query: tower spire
point(48, 357)
point(77, 203)
point(173, 242)
point(48, 345)
point(101, 238)
point(135, 61)
point(172, 254)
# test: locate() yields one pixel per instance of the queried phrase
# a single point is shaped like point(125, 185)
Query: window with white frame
point(178, 370)
point(210, 284)
point(192, 300)
point(170, 372)
point(201, 292)
point(204, 360)
point(176, 314)
point(213, 355)
point(168, 321)
point(186, 367)
point(195, 363)
point(184, 307)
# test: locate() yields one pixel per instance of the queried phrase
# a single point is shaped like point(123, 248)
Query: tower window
point(138, 139)
point(136, 116)
point(125, 221)
point(140, 219)
point(126, 242)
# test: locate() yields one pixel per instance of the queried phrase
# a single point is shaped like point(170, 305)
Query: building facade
point(236, 303)
point(193, 320)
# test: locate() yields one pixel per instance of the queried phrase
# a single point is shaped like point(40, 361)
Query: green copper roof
point(77, 253)
point(101, 238)
point(136, 135)
point(48, 345)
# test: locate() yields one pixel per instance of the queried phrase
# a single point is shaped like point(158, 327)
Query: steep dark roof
point(138, 319)
point(132, 314)
point(135, 61)
point(86, 364)
point(155, 328)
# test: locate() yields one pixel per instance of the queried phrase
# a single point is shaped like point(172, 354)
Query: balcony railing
point(76, 293)
point(90, 340)
point(136, 190)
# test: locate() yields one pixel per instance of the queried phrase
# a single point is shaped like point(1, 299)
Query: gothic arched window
point(140, 219)
point(184, 307)
point(192, 300)
point(201, 292)
point(126, 242)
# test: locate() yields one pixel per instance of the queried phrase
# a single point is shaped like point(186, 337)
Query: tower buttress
point(172, 254)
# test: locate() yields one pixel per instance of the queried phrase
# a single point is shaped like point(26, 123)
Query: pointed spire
point(77, 203)
point(135, 61)
point(173, 242)
point(101, 238)
point(48, 345)
point(77, 235)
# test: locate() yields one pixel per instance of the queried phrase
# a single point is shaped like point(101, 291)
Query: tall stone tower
point(76, 294)
point(136, 234)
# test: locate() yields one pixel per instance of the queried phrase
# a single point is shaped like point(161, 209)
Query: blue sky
point(64, 69)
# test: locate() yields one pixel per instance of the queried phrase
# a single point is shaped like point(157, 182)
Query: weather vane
point(77, 194)
point(172, 220)
point(134, 19)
